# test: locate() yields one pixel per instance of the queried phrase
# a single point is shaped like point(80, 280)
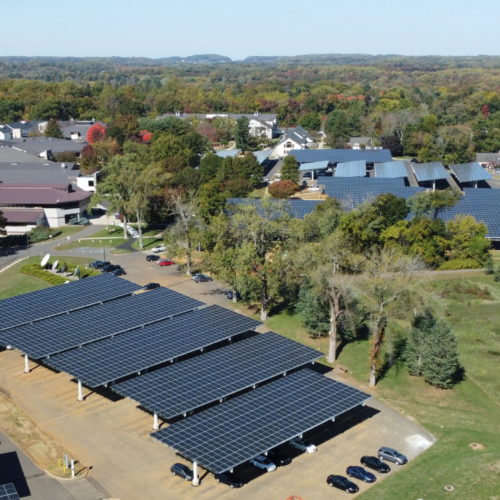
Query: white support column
point(80, 391)
point(26, 364)
point(196, 479)
point(156, 424)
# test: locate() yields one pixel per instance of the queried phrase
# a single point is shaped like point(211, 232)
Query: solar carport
point(431, 171)
point(470, 173)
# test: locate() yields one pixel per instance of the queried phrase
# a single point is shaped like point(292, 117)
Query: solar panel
point(390, 170)
point(190, 384)
point(59, 333)
point(431, 171)
point(314, 165)
point(8, 492)
point(342, 155)
point(125, 354)
point(351, 169)
point(294, 207)
point(32, 306)
point(470, 172)
point(237, 430)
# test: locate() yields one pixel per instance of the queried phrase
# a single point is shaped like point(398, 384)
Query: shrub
point(41, 233)
point(282, 189)
point(454, 264)
point(36, 271)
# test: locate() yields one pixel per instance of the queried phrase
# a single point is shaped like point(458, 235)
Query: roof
point(342, 155)
point(390, 169)
point(22, 216)
point(315, 165)
point(265, 117)
point(360, 140)
point(430, 171)
point(298, 134)
point(262, 156)
point(39, 195)
point(470, 172)
point(228, 153)
point(351, 169)
point(45, 172)
point(488, 158)
point(9, 155)
point(37, 145)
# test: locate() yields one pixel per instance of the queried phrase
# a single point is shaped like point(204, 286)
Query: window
point(91, 183)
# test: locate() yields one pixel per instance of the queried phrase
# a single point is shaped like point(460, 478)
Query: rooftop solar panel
point(8, 492)
point(351, 169)
point(470, 172)
point(237, 430)
point(342, 155)
point(110, 359)
point(32, 306)
point(190, 384)
point(431, 171)
point(390, 170)
point(59, 333)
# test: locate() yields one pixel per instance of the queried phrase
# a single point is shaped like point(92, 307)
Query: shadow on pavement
point(12, 472)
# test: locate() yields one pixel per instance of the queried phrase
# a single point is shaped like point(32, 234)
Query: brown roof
point(41, 194)
point(24, 216)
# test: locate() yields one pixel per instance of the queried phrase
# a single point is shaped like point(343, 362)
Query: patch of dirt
point(477, 446)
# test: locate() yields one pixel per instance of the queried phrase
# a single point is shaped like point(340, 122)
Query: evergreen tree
point(290, 170)
point(314, 311)
point(242, 134)
point(416, 343)
point(53, 129)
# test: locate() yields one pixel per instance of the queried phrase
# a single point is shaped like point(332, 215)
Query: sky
point(241, 28)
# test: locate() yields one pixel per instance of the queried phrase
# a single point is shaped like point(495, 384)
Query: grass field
point(467, 414)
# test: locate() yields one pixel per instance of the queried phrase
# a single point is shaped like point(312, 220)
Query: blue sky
point(239, 28)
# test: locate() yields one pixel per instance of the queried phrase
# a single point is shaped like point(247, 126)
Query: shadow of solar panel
point(170, 391)
point(113, 358)
point(351, 169)
point(59, 299)
point(67, 331)
point(342, 155)
point(237, 430)
point(8, 492)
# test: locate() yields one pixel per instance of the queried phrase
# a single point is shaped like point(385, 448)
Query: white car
point(159, 248)
point(262, 462)
point(303, 445)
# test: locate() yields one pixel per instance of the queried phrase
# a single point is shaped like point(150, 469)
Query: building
point(5, 133)
point(488, 160)
point(293, 138)
point(25, 129)
point(76, 130)
point(47, 147)
point(360, 143)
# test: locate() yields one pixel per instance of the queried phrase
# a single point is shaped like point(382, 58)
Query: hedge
point(455, 264)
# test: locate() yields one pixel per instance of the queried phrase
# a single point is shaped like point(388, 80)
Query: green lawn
point(469, 413)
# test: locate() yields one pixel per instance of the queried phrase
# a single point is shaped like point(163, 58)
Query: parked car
point(183, 471)
point(109, 268)
point(118, 272)
point(82, 221)
point(303, 445)
point(152, 258)
point(375, 464)
point(392, 455)
point(262, 462)
point(342, 483)
point(279, 458)
point(97, 264)
point(229, 479)
point(159, 248)
point(166, 262)
point(150, 286)
point(360, 473)
point(200, 278)
point(230, 294)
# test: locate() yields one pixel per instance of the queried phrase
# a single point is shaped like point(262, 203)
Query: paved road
point(32, 482)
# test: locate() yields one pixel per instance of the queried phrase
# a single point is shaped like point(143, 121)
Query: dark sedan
point(375, 464)
point(183, 471)
point(358, 472)
point(152, 258)
point(279, 458)
point(342, 483)
point(229, 479)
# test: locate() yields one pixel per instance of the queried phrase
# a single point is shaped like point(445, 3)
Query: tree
point(3, 223)
point(282, 189)
point(290, 169)
point(468, 239)
point(53, 129)
point(310, 121)
point(415, 348)
point(96, 133)
point(242, 134)
point(433, 202)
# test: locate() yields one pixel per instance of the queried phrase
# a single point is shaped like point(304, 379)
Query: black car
point(229, 479)
point(152, 258)
point(200, 278)
point(360, 473)
point(375, 464)
point(183, 471)
point(98, 264)
point(109, 268)
point(342, 483)
point(279, 458)
point(118, 271)
point(150, 286)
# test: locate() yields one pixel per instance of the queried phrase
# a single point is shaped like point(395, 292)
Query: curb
point(13, 264)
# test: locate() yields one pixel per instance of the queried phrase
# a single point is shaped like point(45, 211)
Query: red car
point(166, 262)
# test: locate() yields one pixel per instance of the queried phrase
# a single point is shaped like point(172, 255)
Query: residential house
point(488, 160)
point(5, 133)
point(25, 129)
point(360, 143)
point(47, 147)
point(76, 130)
point(293, 138)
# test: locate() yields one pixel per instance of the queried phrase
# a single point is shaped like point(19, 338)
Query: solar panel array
point(314, 165)
point(342, 155)
point(295, 207)
point(8, 492)
point(431, 171)
point(482, 204)
point(66, 331)
point(59, 299)
point(351, 169)
point(390, 170)
point(128, 353)
point(470, 172)
point(237, 430)
point(354, 191)
point(185, 386)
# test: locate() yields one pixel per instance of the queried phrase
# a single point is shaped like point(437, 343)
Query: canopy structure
point(342, 155)
point(390, 170)
point(351, 169)
point(470, 172)
point(314, 166)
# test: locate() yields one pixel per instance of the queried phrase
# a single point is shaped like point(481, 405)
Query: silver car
point(262, 462)
point(392, 455)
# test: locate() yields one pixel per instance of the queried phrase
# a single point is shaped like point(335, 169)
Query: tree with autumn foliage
point(96, 133)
